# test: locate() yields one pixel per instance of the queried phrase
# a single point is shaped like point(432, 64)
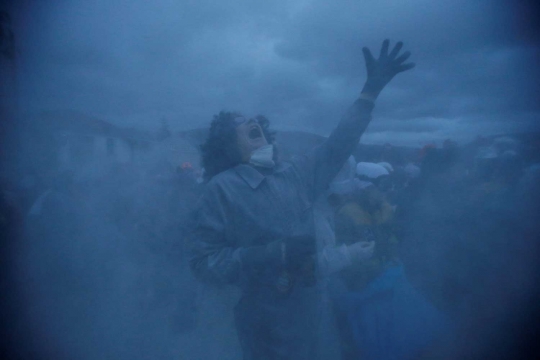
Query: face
point(249, 135)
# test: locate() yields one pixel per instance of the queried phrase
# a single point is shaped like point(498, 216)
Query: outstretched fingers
point(403, 57)
point(405, 67)
point(384, 49)
point(395, 50)
point(380, 71)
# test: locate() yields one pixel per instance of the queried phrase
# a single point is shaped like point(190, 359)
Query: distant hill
point(76, 122)
point(299, 142)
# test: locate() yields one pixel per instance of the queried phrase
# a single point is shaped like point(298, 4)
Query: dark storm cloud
point(473, 74)
point(300, 63)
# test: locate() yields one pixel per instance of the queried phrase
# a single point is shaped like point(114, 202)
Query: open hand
point(380, 71)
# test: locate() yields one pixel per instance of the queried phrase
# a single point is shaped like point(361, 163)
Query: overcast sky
point(299, 62)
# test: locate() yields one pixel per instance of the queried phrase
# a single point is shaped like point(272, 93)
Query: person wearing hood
point(380, 176)
point(366, 218)
point(371, 173)
point(254, 225)
point(334, 341)
point(333, 258)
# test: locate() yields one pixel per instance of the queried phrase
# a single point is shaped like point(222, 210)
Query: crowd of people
point(454, 239)
point(97, 265)
point(326, 257)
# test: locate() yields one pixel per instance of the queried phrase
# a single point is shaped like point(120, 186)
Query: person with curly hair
point(221, 151)
point(254, 225)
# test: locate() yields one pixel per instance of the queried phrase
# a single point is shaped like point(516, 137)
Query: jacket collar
point(252, 176)
point(249, 174)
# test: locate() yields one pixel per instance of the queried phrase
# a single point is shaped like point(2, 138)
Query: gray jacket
point(243, 207)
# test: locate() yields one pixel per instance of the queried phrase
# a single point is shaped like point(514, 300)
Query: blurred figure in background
point(333, 258)
point(104, 272)
point(467, 245)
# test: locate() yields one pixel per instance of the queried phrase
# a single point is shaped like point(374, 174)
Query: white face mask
point(263, 156)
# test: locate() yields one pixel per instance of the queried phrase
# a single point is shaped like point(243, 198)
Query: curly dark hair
point(220, 150)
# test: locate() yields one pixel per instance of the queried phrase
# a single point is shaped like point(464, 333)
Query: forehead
point(243, 120)
point(239, 119)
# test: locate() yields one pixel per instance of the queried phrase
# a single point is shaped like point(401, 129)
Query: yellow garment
point(362, 217)
point(353, 214)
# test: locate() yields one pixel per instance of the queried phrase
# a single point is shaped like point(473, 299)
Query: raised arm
point(212, 258)
point(322, 165)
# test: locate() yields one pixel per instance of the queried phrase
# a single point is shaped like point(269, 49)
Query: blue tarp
point(392, 320)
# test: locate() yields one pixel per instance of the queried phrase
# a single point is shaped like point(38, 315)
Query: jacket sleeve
point(212, 257)
point(320, 166)
point(215, 255)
